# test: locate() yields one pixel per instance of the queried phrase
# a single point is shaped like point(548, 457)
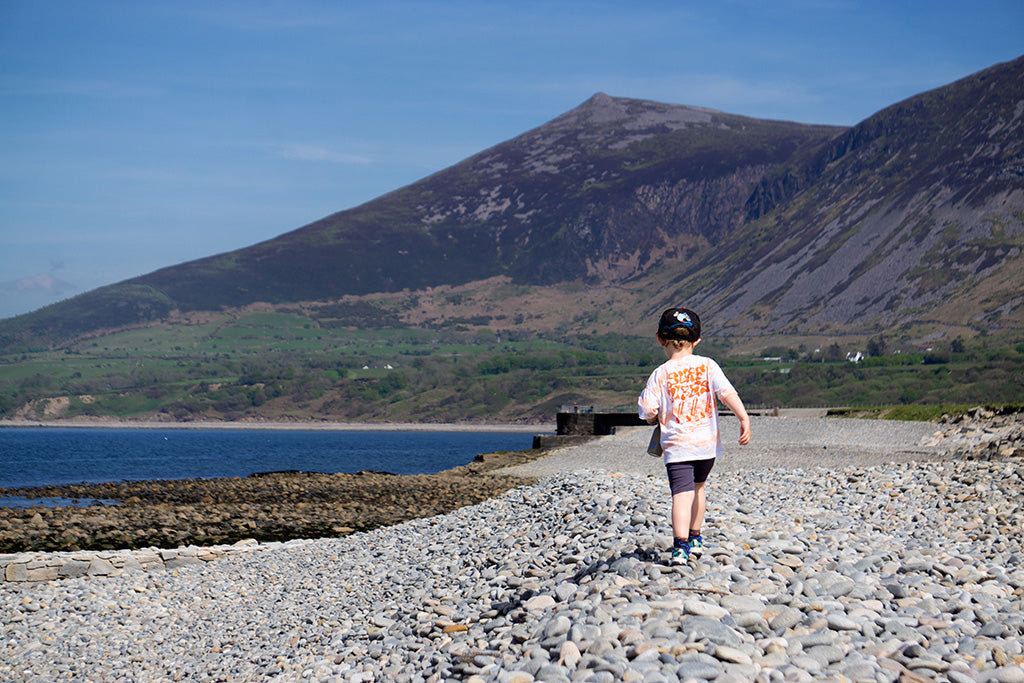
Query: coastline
point(295, 426)
point(846, 550)
point(808, 574)
point(281, 506)
point(263, 507)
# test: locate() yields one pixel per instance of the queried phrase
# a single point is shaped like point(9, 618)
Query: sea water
point(39, 456)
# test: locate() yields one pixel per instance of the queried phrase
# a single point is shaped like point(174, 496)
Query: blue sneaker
point(680, 553)
point(696, 545)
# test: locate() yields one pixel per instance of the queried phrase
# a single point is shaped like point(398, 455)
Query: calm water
point(51, 455)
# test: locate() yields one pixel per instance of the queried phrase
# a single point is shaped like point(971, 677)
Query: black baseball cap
point(679, 323)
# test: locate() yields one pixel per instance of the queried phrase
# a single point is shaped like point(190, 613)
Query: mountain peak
point(603, 109)
point(912, 216)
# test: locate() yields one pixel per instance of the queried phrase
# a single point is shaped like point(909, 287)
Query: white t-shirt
point(681, 394)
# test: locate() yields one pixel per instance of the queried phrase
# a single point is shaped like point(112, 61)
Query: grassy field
point(280, 366)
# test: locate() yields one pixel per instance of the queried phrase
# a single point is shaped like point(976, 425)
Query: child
point(680, 397)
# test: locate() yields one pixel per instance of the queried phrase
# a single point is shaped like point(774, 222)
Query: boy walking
point(680, 396)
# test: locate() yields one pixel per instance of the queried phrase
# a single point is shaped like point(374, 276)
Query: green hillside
point(284, 367)
point(528, 276)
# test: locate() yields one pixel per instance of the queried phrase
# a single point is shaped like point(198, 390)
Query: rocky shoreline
point(984, 433)
point(875, 572)
point(203, 519)
point(163, 524)
point(267, 507)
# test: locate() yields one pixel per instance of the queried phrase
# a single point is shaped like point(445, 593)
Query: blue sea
point(39, 456)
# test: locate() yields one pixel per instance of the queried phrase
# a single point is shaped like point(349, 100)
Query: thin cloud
point(83, 87)
point(41, 283)
point(259, 18)
point(716, 91)
point(322, 153)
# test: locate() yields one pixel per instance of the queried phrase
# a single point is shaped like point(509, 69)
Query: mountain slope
point(913, 219)
point(592, 194)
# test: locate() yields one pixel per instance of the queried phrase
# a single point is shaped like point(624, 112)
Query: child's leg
point(681, 483)
point(683, 505)
point(693, 534)
point(697, 508)
point(702, 469)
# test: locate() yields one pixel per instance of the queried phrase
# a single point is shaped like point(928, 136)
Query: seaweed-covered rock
point(273, 506)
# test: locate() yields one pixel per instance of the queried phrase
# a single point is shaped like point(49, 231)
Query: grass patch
point(284, 366)
point(907, 413)
point(919, 413)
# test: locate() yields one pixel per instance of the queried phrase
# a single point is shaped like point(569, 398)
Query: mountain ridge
point(928, 218)
point(907, 221)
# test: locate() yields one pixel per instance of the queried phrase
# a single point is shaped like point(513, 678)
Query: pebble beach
point(837, 550)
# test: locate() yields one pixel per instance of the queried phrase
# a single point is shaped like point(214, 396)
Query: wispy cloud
point(268, 17)
point(731, 94)
point(81, 87)
point(41, 283)
point(311, 152)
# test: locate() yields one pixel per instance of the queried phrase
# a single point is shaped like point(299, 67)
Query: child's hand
point(732, 402)
point(744, 432)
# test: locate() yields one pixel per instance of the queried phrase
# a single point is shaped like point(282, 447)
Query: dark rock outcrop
point(275, 506)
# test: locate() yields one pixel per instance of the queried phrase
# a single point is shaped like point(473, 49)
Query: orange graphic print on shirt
point(690, 393)
point(680, 394)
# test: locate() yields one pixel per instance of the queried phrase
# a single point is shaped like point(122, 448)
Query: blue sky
point(136, 134)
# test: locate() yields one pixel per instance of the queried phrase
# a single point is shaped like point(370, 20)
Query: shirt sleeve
point(649, 403)
point(720, 384)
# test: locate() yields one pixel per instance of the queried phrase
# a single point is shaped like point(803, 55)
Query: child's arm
point(647, 404)
point(647, 414)
point(732, 402)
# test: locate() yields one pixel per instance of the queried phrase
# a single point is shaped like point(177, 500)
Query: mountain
point(589, 196)
point(911, 220)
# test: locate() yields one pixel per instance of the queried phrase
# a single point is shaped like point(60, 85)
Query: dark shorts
point(682, 476)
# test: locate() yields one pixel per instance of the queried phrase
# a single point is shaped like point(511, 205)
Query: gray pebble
point(810, 565)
